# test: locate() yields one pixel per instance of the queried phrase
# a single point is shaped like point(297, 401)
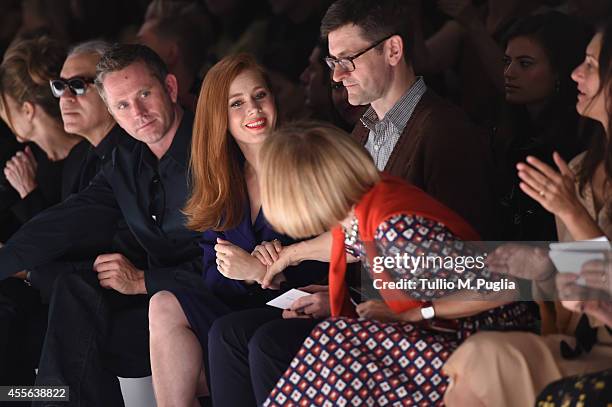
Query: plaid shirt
point(385, 133)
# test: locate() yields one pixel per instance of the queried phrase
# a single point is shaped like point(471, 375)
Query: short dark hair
point(377, 19)
point(120, 56)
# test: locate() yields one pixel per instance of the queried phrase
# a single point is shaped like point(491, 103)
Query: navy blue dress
point(225, 295)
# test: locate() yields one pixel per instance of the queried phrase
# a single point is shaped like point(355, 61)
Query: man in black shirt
point(23, 309)
point(96, 334)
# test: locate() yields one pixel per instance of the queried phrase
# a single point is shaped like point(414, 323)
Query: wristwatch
point(427, 310)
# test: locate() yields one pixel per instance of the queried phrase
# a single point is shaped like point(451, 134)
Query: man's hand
point(315, 305)
point(235, 263)
point(116, 272)
point(20, 172)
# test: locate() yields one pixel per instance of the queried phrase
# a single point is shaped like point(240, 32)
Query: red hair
point(219, 193)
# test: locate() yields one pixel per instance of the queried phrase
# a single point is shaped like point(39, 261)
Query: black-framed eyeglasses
point(77, 85)
point(346, 63)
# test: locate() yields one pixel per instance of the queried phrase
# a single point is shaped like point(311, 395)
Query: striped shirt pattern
point(384, 133)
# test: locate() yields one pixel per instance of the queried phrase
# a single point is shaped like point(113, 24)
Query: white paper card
point(583, 245)
point(285, 300)
point(567, 261)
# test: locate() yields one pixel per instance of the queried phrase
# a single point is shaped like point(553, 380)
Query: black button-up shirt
point(148, 194)
point(85, 161)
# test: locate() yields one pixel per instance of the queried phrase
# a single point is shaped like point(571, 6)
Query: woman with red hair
point(234, 115)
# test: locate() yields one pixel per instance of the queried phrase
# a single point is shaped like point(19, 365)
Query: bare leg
point(176, 354)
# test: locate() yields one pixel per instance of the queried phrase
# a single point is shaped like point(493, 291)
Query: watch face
point(428, 312)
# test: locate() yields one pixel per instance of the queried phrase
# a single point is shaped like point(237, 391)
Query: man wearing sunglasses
point(98, 326)
point(83, 113)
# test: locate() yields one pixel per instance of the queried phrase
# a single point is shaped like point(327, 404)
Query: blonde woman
point(316, 179)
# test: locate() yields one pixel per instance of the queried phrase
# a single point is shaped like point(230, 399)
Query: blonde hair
point(311, 175)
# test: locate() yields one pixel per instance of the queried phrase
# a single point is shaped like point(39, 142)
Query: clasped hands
point(270, 259)
point(237, 264)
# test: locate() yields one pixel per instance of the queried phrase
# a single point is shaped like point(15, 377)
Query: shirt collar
point(179, 149)
point(181, 144)
point(105, 147)
point(400, 113)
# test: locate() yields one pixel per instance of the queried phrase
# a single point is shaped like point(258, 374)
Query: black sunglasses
point(77, 85)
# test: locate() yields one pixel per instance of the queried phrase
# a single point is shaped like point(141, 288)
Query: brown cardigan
point(441, 152)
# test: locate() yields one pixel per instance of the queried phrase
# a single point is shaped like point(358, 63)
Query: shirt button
point(376, 148)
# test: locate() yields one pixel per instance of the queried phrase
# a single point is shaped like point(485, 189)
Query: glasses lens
point(331, 63)
point(57, 87)
point(346, 65)
point(78, 86)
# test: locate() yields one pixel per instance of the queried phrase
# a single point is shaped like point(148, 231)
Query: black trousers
point(23, 320)
point(93, 336)
point(249, 351)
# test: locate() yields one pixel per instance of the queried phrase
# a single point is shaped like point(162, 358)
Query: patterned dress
point(349, 361)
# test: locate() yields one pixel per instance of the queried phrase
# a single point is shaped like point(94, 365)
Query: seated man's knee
point(222, 332)
point(262, 342)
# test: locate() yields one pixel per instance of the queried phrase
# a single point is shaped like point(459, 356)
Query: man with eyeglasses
point(98, 325)
point(409, 131)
